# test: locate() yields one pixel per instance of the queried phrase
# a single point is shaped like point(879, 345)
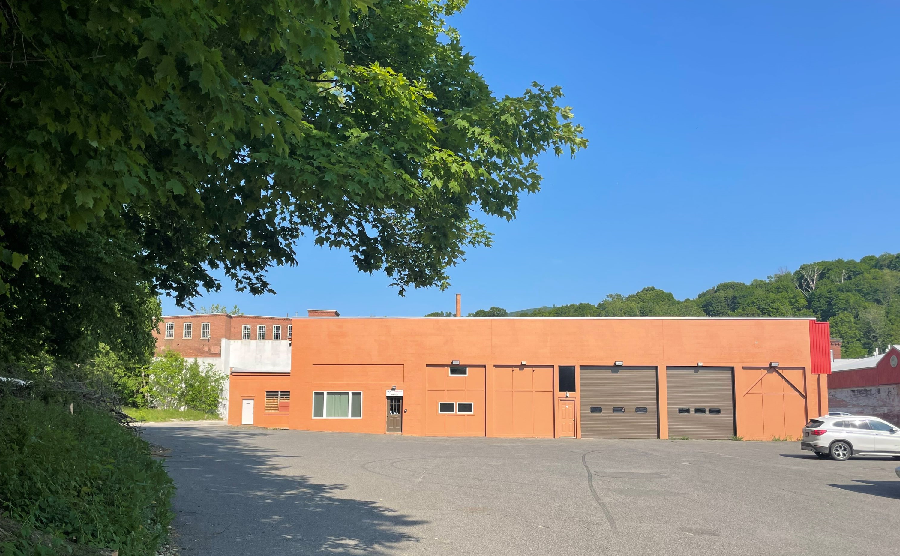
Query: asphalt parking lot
point(256, 491)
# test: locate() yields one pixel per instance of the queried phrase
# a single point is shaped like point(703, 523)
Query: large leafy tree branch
point(214, 134)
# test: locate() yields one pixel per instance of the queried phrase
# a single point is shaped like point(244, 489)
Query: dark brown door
point(395, 414)
point(701, 402)
point(618, 402)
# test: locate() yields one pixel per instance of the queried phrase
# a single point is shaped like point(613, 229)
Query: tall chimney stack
point(458, 305)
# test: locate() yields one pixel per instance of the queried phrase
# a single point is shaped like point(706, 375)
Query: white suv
point(849, 435)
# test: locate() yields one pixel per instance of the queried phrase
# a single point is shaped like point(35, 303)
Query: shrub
point(177, 384)
point(81, 477)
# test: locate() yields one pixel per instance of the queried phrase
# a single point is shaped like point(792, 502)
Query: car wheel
point(823, 455)
point(840, 451)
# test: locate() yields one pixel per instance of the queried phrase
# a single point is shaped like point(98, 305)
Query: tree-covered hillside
point(861, 300)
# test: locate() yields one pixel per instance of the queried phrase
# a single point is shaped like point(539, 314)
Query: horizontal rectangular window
point(596, 409)
point(618, 410)
point(245, 332)
point(337, 405)
point(465, 407)
point(682, 410)
point(715, 411)
point(640, 410)
point(566, 378)
point(278, 401)
point(459, 371)
point(170, 330)
point(700, 410)
point(204, 331)
point(446, 407)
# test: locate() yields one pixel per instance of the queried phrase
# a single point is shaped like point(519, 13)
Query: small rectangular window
point(356, 405)
point(446, 407)
point(465, 408)
point(245, 332)
point(290, 331)
point(682, 410)
point(596, 409)
point(188, 331)
point(261, 332)
point(204, 331)
point(701, 410)
point(276, 332)
point(170, 330)
point(566, 378)
point(715, 411)
point(459, 371)
point(640, 410)
point(618, 410)
point(319, 404)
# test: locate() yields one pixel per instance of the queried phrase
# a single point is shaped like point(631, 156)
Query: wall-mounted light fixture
point(619, 363)
point(700, 363)
point(773, 364)
point(455, 362)
point(393, 387)
point(522, 363)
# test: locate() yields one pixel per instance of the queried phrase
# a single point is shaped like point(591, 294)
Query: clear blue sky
point(727, 140)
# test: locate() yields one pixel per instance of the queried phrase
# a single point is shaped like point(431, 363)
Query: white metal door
point(247, 412)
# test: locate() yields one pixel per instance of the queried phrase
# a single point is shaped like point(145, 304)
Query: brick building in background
point(242, 343)
point(867, 386)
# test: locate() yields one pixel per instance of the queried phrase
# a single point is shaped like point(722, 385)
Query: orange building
point(545, 377)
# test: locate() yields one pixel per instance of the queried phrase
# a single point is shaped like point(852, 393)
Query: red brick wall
point(220, 326)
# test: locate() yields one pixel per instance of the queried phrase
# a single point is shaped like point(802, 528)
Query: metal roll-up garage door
point(619, 402)
point(700, 402)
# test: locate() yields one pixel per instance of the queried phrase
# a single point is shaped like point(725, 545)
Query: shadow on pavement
point(233, 498)
point(885, 489)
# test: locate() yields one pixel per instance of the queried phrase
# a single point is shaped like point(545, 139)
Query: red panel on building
point(820, 347)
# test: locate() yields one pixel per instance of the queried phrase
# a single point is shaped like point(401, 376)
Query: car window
point(880, 425)
point(861, 425)
point(840, 425)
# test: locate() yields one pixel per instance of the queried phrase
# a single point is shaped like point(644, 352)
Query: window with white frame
point(204, 331)
point(276, 331)
point(446, 407)
point(170, 330)
point(261, 332)
point(245, 332)
point(188, 331)
point(337, 405)
point(290, 331)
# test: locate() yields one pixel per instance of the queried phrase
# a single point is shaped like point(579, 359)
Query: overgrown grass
point(83, 478)
point(157, 415)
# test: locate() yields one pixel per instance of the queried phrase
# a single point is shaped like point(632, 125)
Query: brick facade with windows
point(220, 326)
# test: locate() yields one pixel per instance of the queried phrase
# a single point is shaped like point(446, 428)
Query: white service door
point(247, 412)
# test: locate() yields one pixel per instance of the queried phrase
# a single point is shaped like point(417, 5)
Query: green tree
point(492, 312)
point(213, 135)
point(216, 308)
point(440, 314)
point(176, 383)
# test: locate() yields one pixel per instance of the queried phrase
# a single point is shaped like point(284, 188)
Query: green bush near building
point(83, 478)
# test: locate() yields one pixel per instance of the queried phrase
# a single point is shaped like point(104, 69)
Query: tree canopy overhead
point(217, 132)
point(214, 134)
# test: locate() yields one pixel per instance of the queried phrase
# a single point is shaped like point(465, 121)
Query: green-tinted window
point(318, 404)
point(356, 405)
point(337, 404)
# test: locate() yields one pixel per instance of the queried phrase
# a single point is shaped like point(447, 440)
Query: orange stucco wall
point(513, 370)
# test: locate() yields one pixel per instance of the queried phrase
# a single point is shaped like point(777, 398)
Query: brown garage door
point(701, 402)
point(619, 402)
